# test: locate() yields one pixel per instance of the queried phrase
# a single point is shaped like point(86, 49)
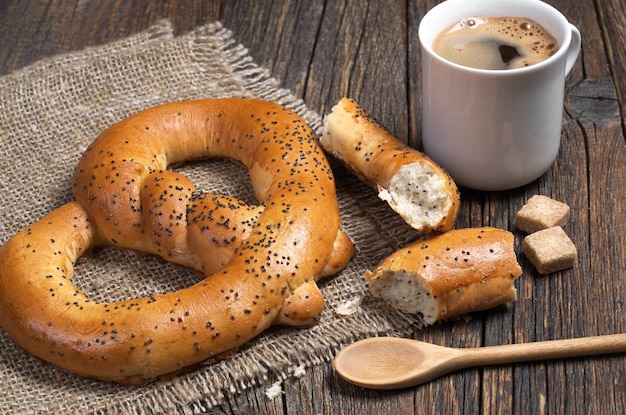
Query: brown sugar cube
point(550, 250)
point(541, 212)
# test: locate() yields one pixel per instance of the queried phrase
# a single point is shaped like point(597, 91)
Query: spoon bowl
point(391, 362)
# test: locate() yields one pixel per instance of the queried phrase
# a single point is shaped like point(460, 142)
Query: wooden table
point(368, 50)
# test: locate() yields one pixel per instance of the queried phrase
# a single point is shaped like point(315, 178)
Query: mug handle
point(573, 49)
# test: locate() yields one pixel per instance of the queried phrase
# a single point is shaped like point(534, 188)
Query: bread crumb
point(550, 250)
point(349, 307)
point(299, 371)
point(274, 391)
point(541, 212)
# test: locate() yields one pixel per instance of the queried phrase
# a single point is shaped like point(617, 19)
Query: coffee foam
point(495, 43)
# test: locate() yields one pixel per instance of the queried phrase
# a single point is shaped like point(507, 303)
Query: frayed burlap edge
point(51, 110)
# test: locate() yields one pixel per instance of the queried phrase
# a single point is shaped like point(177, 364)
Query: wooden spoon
point(389, 362)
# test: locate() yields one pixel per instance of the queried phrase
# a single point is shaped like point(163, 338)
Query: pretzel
point(413, 185)
point(260, 262)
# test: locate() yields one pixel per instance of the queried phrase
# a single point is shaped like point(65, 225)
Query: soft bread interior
point(405, 291)
point(418, 193)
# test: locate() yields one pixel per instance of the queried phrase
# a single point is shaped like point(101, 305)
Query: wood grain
point(368, 50)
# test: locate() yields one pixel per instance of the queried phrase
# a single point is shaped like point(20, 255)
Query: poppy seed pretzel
point(414, 186)
point(125, 197)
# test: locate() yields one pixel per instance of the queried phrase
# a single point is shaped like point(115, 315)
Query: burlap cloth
point(51, 110)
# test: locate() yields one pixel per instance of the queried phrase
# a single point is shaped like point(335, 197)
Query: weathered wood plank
point(322, 50)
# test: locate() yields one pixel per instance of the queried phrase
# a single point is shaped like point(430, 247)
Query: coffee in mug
point(495, 43)
point(494, 129)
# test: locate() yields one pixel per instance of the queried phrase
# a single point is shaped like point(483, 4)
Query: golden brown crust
point(460, 271)
point(414, 186)
point(126, 198)
point(302, 308)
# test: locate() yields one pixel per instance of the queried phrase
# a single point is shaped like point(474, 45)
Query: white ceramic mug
point(494, 129)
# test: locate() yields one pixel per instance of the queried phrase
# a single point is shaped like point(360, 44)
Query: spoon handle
point(544, 350)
